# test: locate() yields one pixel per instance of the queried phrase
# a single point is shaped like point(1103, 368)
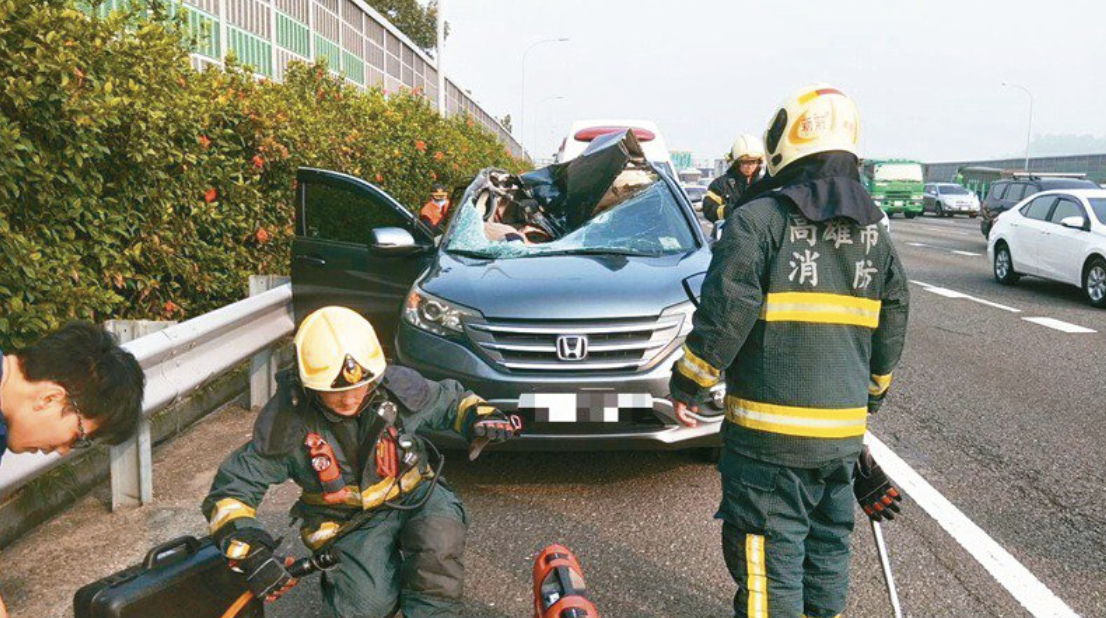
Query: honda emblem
point(572, 347)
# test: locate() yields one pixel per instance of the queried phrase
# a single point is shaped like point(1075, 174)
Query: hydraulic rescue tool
point(559, 588)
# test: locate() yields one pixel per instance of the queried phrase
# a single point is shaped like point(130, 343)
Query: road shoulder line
point(1029, 591)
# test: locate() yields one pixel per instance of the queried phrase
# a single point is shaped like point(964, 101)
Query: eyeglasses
point(82, 441)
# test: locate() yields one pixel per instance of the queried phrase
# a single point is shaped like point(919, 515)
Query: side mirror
point(393, 241)
point(1075, 223)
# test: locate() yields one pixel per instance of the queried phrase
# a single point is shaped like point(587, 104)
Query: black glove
point(495, 425)
point(686, 390)
point(250, 552)
point(879, 498)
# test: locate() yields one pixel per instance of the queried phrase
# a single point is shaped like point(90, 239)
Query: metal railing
point(177, 361)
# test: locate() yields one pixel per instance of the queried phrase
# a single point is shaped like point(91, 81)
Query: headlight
point(684, 311)
point(433, 314)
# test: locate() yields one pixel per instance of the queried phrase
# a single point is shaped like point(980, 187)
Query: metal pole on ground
point(885, 562)
point(442, 100)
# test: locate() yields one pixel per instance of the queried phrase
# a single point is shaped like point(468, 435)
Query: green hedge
point(132, 186)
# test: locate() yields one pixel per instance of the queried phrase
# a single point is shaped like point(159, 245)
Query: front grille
point(898, 195)
point(618, 345)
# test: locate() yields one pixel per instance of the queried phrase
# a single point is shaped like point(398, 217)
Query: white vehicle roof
point(649, 136)
point(1083, 193)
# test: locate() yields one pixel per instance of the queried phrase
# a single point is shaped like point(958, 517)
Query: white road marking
point(943, 230)
point(947, 293)
point(1060, 325)
point(953, 251)
point(1033, 595)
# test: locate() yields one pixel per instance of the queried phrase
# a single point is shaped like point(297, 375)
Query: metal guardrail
point(177, 361)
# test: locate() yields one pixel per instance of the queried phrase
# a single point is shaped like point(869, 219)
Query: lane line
point(1033, 595)
point(939, 248)
point(1060, 325)
point(947, 293)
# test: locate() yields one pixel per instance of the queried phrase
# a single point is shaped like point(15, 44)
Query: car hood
point(567, 287)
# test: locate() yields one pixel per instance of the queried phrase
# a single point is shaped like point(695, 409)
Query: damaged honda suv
point(562, 295)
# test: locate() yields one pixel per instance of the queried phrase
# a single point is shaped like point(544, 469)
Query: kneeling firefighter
point(804, 310)
point(746, 158)
point(344, 428)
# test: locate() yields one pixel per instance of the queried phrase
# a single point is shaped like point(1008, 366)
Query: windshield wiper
point(472, 254)
point(601, 251)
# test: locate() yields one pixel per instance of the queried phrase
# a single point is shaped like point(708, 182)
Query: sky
point(926, 74)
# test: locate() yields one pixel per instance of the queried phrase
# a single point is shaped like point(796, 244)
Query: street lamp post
point(525, 54)
point(1029, 131)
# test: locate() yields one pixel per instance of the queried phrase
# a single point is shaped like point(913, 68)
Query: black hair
point(438, 187)
point(104, 381)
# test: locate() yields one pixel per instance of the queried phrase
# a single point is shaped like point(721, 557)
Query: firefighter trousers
point(402, 560)
point(785, 536)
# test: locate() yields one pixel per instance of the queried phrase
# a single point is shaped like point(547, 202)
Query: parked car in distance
point(695, 194)
point(1057, 235)
point(946, 199)
point(576, 332)
point(1006, 193)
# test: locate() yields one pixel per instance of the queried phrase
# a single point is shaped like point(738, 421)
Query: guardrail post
point(132, 463)
point(265, 364)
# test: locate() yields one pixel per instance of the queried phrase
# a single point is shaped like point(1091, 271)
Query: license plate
point(597, 407)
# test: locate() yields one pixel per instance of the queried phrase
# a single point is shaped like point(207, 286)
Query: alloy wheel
point(1096, 283)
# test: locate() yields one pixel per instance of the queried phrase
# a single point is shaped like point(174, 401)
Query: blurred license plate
point(598, 407)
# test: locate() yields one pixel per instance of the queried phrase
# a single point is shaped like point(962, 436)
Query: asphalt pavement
point(1000, 415)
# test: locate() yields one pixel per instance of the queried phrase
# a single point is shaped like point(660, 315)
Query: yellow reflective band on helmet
point(821, 308)
point(697, 369)
point(463, 408)
point(756, 576)
point(237, 550)
point(711, 195)
point(721, 214)
point(314, 539)
point(879, 384)
point(797, 421)
point(228, 510)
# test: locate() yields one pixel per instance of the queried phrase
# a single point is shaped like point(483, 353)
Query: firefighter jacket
point(722, 194)
point(806, 321)
point(375, 467)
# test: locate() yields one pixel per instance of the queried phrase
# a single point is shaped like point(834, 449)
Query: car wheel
point(985, 228)
point(910, 215)
point(973, 215)
point(1004, 266)
point(939, 210)
point(1094, 283)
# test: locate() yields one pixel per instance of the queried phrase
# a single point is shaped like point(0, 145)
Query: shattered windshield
point(648, 223)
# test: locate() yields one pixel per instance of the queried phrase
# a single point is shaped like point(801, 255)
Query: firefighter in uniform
point(746, 159)
point(344, 428)
point(803, 312)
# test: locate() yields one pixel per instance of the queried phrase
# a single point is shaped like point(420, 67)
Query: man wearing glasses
point(71, 387)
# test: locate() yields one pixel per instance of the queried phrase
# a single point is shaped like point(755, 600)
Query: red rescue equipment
point(559, 588)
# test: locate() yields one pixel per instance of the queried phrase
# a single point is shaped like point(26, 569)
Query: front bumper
point(960, 208)
point(900, 206)
point(652, 428)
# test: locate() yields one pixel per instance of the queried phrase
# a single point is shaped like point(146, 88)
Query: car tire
point(910, 215)
point(939, 210)
point(1004, 265)
point(973, 215)
point(1094, 283)
point(985, 228)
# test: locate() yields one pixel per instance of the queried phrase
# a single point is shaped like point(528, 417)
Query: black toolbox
point(184, 578)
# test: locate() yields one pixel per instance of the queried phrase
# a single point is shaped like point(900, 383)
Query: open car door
point(357, 247)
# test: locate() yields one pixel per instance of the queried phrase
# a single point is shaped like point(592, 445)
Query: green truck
point(895, 184)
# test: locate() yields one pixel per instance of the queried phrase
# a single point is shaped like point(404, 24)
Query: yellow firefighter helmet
point(337, 350)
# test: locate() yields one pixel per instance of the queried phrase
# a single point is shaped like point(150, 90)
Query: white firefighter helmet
point(818, 118)
point(747, 147)
point(337, 350)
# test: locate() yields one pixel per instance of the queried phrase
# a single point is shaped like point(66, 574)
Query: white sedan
point(1058, 235)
